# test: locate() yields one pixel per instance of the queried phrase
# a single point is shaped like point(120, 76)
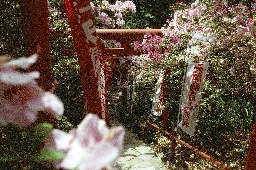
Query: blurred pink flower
point(21, 98)
point(92, 146)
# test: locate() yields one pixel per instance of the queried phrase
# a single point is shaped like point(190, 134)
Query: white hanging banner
point(157, 105)
point(190, 99)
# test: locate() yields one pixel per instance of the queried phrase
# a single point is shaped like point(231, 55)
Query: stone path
point(138, 156)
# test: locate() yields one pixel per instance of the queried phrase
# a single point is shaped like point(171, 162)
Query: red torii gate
point(92, 71)
point(89, 51)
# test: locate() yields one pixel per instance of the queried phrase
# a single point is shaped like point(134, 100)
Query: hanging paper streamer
point(160, 97)
point(157, 105)
point(190, 100)
point(90, 58)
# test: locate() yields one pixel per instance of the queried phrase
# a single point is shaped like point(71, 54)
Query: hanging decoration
point(90, 57)
point(157, 105)
point(190, 99)
point(159, 101)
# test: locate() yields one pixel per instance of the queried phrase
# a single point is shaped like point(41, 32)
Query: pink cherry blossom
point(21, 98)
point(92, 146)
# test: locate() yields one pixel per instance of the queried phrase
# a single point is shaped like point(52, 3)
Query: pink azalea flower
point(21, 98)
point(10, 75)
point(130, 5)
point(92, 146)
point(120, 22)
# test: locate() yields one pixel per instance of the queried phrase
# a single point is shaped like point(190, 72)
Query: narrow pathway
point(138, 156)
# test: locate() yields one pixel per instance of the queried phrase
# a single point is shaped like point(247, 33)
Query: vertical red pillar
point(108, 62)
point(38, 38)
point(164, 94)
point(91, 64)
point(251, 156)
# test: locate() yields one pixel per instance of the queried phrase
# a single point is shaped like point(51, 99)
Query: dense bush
point(11, 28)
point(226, 110)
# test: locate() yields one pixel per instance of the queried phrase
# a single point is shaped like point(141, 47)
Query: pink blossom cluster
point(156, 47)
point(204, 31)
point(211, 23)
point(20, 97)
point(111, 15)
point(237, 17)
point(239, 37)
point(92, 146)
point(151, 45)
point(183, 21)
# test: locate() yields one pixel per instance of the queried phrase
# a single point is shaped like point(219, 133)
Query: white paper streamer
point(190, 99)
point(157, 107)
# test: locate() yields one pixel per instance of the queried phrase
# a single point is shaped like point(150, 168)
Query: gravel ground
point(138, 155)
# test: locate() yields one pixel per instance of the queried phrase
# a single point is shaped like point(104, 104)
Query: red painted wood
point(251, 156)
point(108, 72)
point(164, 98)
point(219, 164)
point(83, 29)
point(38, 38)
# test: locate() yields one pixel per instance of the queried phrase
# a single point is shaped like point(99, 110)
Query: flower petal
point(103, 155)
point(59, 140)
point(53, 104)
point(23, 62)
point(117, 136)
point(17, 78)
point(74, 157)
point(91, 130)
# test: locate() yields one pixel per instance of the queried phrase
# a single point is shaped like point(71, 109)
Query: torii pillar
point(251, 155)
point(37, 38)
point(90, 57)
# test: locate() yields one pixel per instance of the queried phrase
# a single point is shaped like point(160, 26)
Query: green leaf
point(36, 136)
point(41, 131)
point(47, 155)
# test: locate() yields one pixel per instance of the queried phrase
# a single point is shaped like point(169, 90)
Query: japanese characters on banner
point(83, 28)
point(190, 99)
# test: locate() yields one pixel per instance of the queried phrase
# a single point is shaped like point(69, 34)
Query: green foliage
point(11, 28)
point(47, 155)
point(20, 147)
point(69, 89)
point(152, 14)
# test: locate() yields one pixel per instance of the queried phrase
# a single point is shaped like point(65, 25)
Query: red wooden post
point(251, 156)
point(108, 62)
point(38, 38)
point(163, 96)
point(83, 28)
